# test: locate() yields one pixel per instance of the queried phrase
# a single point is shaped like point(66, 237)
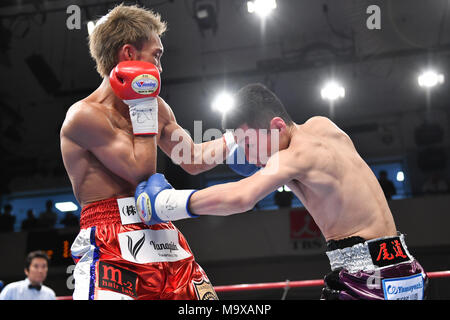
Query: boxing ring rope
point(286, 285)
point(300, 284)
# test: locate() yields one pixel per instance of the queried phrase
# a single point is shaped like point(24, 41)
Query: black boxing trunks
point(377, 269)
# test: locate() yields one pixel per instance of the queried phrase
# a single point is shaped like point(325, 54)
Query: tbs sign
point(304, 233)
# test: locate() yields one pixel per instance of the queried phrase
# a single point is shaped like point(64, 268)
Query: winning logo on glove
point(144, 208)
point(145, 84)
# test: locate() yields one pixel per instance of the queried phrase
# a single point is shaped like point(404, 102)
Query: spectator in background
point(70, 220)
point(7, 219)
point(30, 223)
point(435, 184)
point(36, 267)
point(47, 218)
point(387, 185)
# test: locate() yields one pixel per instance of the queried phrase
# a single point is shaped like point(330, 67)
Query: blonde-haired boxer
point(108, 143)
point(319, 163)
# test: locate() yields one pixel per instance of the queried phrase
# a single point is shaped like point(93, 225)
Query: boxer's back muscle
point(339, 189)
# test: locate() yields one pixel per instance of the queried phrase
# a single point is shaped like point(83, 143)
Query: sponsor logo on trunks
point(117, 279)
point(396, 290)
point(164, 246)
point(387, 252)
point(407, 288)
point(134, 248)
point(128, 212)
point(204, 290)
point(147, 246)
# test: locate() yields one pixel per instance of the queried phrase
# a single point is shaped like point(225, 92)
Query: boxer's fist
point(145, 196)
point(238, 163)
point(158, 202)
point(138, 83)
point(132, 80)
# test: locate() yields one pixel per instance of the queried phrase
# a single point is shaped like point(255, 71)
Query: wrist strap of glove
point(172, 205)
point(144, 116)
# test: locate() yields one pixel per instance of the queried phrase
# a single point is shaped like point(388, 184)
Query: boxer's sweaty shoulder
point(91, 180)
point(323, 129)
point(316, 144)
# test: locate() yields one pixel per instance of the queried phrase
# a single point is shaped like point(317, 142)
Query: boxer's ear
point(277, 124)
point(128, 52)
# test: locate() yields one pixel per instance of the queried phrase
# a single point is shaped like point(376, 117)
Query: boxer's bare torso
point(339, 189)
point(322, 167)
point(102, 157)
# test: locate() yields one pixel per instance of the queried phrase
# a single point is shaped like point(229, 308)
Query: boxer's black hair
point(35, 254)
point(256, 106)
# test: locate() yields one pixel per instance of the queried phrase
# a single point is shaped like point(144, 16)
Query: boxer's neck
point(291, 131)
point(106, 96)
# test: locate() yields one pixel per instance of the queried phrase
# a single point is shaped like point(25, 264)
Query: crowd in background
point(45, 220)
point(48, 218)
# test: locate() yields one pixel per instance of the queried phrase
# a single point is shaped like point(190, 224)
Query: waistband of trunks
point(344, 243)
point(108, 211)
point(371, 254)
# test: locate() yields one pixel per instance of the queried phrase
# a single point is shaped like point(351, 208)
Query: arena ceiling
point(46, 66)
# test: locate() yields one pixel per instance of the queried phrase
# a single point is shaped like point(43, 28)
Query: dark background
point(46, 67)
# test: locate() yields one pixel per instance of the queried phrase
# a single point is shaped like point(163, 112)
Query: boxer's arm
point(128, 156)
point(241, 196)
point(179, 146)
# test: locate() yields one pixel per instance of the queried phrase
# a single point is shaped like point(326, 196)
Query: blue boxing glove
point(157, 201)
point(239, 164)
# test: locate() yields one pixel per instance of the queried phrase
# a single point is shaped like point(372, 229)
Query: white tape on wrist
point(172, 205)
point(229, 140)
point(144, 116)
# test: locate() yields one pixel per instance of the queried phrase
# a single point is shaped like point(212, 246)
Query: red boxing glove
point(137, 83)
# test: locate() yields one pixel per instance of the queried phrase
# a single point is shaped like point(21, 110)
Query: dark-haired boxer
point(319, 163)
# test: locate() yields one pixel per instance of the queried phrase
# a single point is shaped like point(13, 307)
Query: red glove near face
point(137, 83)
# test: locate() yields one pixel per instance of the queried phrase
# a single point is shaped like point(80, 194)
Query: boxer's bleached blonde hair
point(255, 106)
point(122, 25)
